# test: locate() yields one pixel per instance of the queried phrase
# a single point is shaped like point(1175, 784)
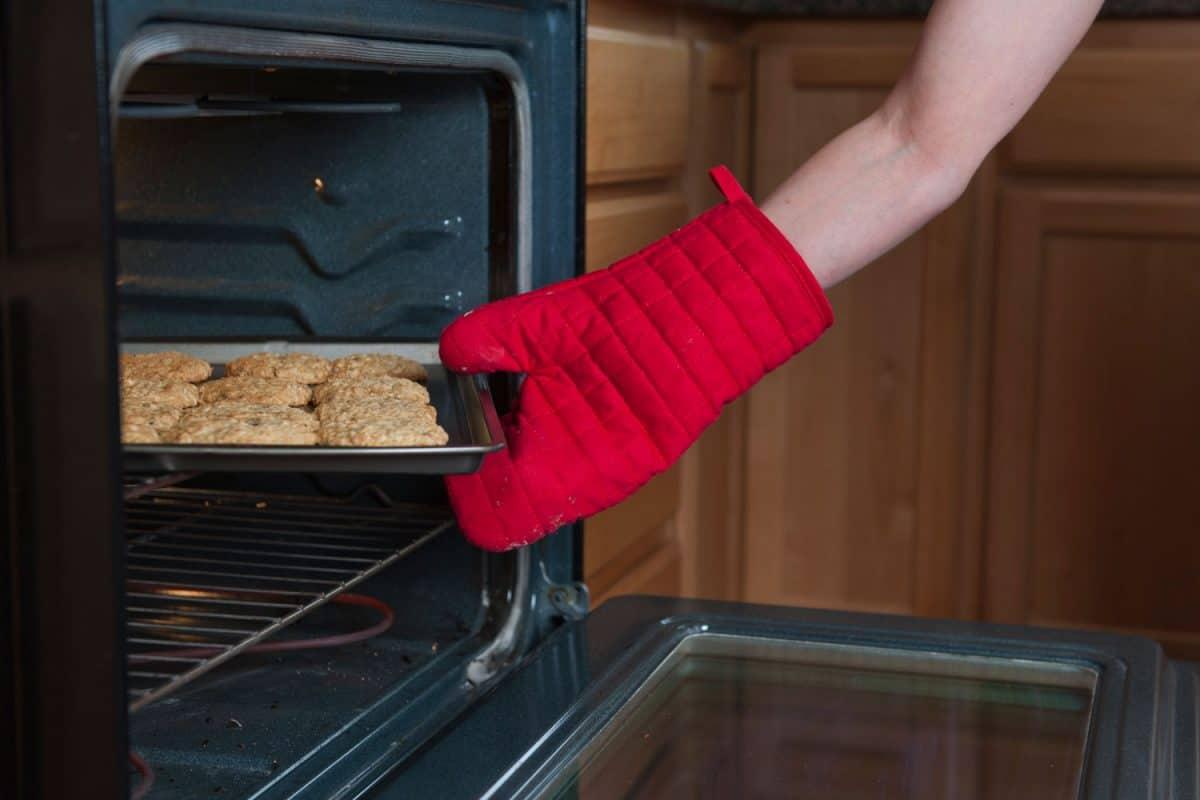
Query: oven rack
point(211, 573)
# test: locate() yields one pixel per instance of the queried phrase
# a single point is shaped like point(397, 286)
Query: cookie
point(402, 432)
point(296, 367)
point(374, 408)
point(234, 409)
point(159, 416)
point(250, 389)
point(165, 366)
point(166, 392)
point(245, 423)
point(361, 388)
point(138, 433)
point(378, 364)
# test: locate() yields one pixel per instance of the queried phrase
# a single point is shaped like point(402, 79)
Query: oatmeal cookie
point(167, 365)
point(361, 388)
point(378, 364)
point(245, 423)
point(250, 389)
point(374, 408)
point(401, 432)
point(172, 393)
point(138, 433)
point(297, 367)
point(235, 409)
point(159, 416)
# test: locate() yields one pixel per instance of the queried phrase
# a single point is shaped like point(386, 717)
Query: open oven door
point(656, 697)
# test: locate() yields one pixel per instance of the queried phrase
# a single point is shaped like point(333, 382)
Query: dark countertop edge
point(915, 9)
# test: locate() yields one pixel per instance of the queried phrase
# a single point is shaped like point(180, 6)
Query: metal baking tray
point(464, 406)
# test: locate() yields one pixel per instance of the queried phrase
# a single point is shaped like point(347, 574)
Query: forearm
point(978, 68)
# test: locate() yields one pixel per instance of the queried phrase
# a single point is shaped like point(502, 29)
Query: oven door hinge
point(571, 600)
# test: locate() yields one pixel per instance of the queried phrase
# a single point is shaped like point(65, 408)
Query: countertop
point(917, 8)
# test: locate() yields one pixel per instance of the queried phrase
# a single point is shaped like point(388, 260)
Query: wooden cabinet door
point(1094, 480)
point(857, 450)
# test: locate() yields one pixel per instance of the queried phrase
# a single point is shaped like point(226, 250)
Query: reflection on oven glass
point(763, 723)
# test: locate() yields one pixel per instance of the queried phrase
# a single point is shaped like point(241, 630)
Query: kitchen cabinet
point(999, 425)
point(1096, 359)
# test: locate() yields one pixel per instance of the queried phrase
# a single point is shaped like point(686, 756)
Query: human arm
point(979, 66)
point(626, 366)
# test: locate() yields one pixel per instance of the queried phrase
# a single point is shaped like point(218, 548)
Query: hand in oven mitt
point(625, 367)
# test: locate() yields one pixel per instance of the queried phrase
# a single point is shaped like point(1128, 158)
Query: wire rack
point(211, 573)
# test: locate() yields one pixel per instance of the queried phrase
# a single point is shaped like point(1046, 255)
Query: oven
point(225, 178)
point(259, 176)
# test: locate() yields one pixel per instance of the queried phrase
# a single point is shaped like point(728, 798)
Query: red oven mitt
point(625, 367)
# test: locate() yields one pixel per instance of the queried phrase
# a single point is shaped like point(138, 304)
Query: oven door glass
point(661, 697)
point(735, 716)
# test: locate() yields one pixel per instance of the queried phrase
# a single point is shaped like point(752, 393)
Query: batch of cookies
point(361, 400)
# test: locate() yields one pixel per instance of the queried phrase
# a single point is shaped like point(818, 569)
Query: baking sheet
point(464, 406)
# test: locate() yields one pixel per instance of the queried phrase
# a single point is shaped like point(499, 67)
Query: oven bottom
point(264, 722)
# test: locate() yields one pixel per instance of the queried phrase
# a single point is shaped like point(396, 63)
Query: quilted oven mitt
point(625, 367)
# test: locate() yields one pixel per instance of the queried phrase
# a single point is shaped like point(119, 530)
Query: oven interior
point(300, 199)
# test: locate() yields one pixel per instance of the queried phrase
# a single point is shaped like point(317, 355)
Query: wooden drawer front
point(1115, 111)
point(619, 226)
point(637, 116)
point(620, 539)
point(658, 573)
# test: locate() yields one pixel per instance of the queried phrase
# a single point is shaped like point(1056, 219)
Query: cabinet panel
point(831, 496)
point(855, 468)
point(637, 113)
point(1115, 111)
point(1094, 478)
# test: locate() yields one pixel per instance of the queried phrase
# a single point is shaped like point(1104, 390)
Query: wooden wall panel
point(1093, 478)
